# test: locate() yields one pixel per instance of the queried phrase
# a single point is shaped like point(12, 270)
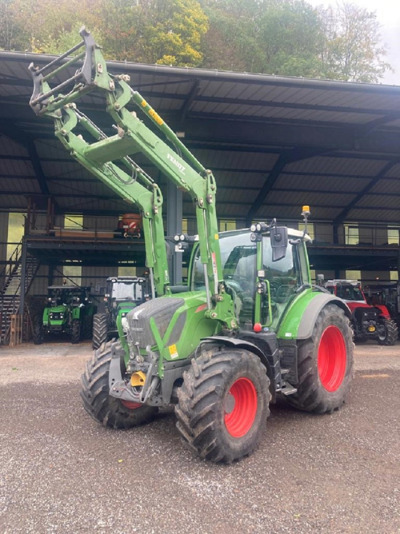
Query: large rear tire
point(389, 332)
point(109, 411)
point(325, 364)
point(223, 404)
point(100, 329)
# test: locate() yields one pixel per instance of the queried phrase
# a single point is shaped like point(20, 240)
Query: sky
point(388, 15)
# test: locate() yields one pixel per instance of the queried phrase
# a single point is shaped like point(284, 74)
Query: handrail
point(11, 266)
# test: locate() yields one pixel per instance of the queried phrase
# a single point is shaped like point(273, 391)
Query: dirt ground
point(61, 472)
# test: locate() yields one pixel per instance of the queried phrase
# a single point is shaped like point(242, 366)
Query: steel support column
point(22, 287)
point(174, 226)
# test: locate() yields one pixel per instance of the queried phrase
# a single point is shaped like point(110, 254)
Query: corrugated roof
point(272, 142)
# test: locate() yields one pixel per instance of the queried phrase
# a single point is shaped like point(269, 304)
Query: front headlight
point(124, 324)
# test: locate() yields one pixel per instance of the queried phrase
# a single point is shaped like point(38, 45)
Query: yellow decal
point(155, 116)
point(173, 351)
point(216, 236)
point(143, 103)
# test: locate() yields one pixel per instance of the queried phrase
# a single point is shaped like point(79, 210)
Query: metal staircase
point(10, 295)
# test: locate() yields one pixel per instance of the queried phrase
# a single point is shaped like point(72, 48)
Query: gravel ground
point(61, 472)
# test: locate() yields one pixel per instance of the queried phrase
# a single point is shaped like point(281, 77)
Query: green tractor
point(123, 293)
point(69, 312)
point(248, 328)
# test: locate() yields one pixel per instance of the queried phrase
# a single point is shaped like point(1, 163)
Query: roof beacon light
point(305, 214)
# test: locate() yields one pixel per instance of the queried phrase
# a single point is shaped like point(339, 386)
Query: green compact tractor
point(68, 311)
point(123, 293)
point(249, 326)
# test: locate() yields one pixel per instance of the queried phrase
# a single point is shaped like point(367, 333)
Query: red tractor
point(369, 322)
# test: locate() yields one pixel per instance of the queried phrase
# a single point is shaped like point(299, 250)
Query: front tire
point(75, 331)
point(325, 364)
point(106, 410)
point(100, 329)
point(389, 333)
point(223, 404)
point(37, 332)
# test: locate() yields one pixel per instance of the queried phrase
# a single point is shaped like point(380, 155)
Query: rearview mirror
point(279, 242)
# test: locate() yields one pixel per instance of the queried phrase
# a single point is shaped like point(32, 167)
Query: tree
point(291, 37)
point(269, 36)
point(229, 42)
point(152, 31)
point(283, 37)
point(40, 25)
point(12, 35)
point(353, 48)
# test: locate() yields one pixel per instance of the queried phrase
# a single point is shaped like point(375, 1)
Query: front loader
point(248, 328)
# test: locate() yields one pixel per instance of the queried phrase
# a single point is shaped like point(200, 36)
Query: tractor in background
point(68, 311)
point(368, 321)
point(123, 293)
point(388, 295)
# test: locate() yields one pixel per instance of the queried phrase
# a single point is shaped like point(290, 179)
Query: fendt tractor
point(123, 293)
point(368, 321)
point(248, 327)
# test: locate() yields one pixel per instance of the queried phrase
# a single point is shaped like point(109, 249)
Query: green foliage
point(353, 49)
point(232, 39)
point(8, 26)
point(271, 36)
point(282, 37)
point(291, 37)
point(152, 31)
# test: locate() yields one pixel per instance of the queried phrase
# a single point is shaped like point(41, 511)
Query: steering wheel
point(239, 283)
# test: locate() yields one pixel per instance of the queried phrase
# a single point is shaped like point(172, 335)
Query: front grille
point(161, 310)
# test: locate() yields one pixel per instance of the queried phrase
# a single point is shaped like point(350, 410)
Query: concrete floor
point(61, 472)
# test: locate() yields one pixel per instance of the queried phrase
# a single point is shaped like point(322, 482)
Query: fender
point(299, 322)
point(270, 357)
point(76, 312)
point(234, 342)
point(383, 311)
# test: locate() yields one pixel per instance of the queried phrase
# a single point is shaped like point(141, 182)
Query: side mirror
point(279, 242)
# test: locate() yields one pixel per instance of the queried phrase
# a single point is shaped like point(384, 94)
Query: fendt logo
point(176, 163)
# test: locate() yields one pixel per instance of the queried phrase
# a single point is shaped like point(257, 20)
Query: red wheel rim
point(240, 407)
point(130, 405)
point(332, 358)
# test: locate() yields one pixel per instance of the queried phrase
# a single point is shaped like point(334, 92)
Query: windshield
point(283, 275)
point(239, 265)
point(238, 259)
point(127, 291)
point(349, 292)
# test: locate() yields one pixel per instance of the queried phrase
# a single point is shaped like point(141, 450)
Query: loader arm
point(109, 158)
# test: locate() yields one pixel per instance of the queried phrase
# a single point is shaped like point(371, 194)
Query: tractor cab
point(261, 282)
point(126, 289)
